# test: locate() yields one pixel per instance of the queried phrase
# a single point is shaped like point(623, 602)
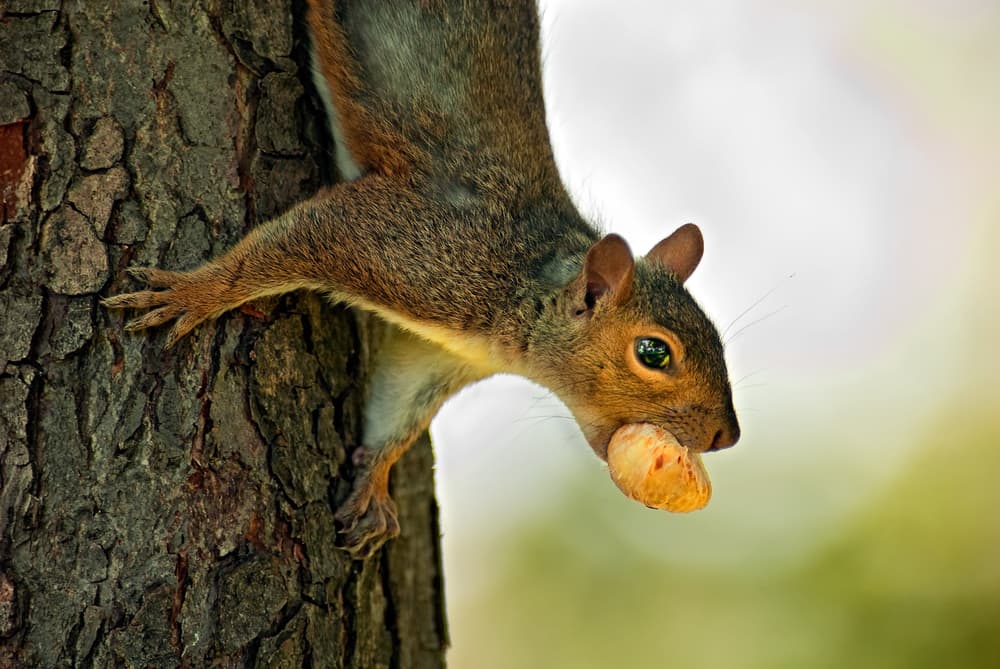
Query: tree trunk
point(164, 509)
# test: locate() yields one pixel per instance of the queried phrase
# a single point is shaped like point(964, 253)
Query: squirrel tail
point(412, 85)
point(364, 142)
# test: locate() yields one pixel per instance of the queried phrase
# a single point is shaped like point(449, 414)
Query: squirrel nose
point(726, 436)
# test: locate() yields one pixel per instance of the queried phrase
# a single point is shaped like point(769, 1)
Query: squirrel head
point(624, 342)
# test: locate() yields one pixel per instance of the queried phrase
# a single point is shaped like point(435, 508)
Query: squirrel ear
point(681, 252)
point(608, 269)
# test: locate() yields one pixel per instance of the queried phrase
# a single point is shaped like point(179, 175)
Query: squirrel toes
point(453, 225)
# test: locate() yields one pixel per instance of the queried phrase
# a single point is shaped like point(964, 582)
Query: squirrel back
point(445, 100)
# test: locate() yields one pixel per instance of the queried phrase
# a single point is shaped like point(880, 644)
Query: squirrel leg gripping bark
point(412, 379)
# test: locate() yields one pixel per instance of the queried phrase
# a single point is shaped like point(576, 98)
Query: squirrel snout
point(726, 436)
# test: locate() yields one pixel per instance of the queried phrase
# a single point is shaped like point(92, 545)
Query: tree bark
point(164, 509)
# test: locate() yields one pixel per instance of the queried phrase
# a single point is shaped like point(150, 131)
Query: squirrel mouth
point(599, 442)
point(601, 438)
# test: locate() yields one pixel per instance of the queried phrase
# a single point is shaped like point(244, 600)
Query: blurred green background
point(909, 580)
point(844, 162)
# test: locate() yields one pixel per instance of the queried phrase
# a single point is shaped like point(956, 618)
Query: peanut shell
point(649, 465)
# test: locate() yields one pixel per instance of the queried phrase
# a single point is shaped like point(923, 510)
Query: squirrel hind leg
point(412, 378)
point(367, 518)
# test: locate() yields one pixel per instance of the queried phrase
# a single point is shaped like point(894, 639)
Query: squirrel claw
point(186, 298)
point(367, 521)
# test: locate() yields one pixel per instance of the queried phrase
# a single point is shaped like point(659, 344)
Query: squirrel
point(453, 225)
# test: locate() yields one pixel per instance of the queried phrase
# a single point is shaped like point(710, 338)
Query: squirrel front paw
point(188, 298)
point(367, 518)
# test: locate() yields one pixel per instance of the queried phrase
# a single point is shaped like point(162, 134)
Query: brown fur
point(460, 232)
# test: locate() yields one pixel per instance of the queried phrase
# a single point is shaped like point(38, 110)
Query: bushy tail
point(430, 83)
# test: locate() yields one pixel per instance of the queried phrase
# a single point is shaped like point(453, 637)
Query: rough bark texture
point(164, 509)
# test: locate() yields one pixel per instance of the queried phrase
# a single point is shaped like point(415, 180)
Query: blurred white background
point(838, 158)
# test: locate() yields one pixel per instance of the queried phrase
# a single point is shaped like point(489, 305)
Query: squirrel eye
point(653, 353)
